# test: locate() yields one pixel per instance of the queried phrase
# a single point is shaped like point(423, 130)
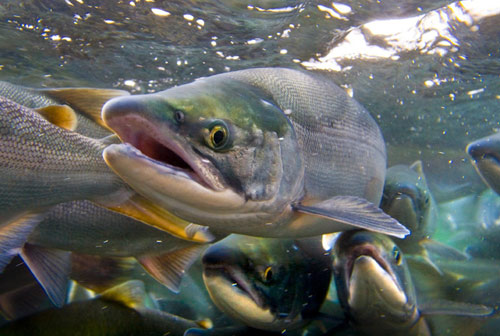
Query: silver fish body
point(268, 152)
point(39, 98)
point(43, 165)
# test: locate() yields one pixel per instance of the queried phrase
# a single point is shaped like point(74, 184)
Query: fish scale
point(333, 130)
point(42, 164)
point(34, 98)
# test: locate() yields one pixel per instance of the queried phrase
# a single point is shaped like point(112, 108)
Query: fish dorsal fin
point(147, 212)
point(14, 234)
point(418, 167)
point(131, 294)
point(353, 211)
point(51, 268)
point(89, 101)
point(169, 268)
point(59, 115)
point(446, 307)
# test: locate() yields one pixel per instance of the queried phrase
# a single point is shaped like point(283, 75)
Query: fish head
point(266, 283)
point(485, 154)
point(373, 281)
point(211, 152)
point(408, 199)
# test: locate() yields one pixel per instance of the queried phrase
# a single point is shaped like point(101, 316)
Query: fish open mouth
point(235, 278)
point(369, 251)
point(162, 149)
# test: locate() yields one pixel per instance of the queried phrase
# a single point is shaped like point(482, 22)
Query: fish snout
point(217, 255)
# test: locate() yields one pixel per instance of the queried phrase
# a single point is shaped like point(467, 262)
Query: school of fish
point(250, 202)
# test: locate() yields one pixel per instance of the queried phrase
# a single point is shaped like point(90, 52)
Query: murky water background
point(430, 78)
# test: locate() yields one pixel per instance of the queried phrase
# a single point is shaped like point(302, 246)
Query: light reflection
point(430, 33)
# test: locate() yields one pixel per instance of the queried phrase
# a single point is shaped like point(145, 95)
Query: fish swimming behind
point(269, 152)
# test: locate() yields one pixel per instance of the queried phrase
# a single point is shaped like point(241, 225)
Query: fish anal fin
point(89, 101)
point(51, 268)
point(60, 115)
point(446, 307)
point(148, 212)
point(356, 212)
point(170, 267)
point(14, 234)
point(131, 294)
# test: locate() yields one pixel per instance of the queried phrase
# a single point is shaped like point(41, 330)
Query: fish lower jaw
point(236, 302)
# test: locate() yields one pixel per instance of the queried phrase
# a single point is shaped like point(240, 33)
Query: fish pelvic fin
point(148, 212)
point(14, 234)
point(51, 268)
point(89, 101)
point(131, 294)
point(169, 268)
point(60, 115)
point(356, 212)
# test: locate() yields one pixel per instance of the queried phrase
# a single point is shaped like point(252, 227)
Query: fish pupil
point(218, 137)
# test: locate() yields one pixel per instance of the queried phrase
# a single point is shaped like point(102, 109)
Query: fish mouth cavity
point(235, 277)
point(368, 251)
point(161, 148)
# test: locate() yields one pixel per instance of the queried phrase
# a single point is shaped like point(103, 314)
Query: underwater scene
point(257, 167)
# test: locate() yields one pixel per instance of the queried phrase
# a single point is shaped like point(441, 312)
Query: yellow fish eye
point(397, 255)
point(218, 136)
point(268, 274)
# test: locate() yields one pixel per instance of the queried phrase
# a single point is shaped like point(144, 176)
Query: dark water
point(430, 78)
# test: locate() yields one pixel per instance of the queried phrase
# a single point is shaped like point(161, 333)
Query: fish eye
point(218, 136)
point(268, 274)
point(396, 253)
point(179, 116)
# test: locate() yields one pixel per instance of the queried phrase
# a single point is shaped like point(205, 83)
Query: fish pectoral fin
point(99, 273)
point(356, 212)
point(131, 294)
point(51, 268)
point(22, 301)
point(170, 267)
point(148, 212)
point(14, 234)
point(446, 307)
point(60, 115)
point(87, 100)
point(443, 251)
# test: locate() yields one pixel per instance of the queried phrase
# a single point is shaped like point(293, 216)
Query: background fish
point(267, 152)
point(376, 289)
point(266, 283)
point(119, 311)
point(85, 102)
point(485, 153)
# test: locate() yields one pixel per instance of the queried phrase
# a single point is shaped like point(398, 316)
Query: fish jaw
point(246, 188)
point(158, 142)
point(485, 153)
point(167, 185)
point(232, 291)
